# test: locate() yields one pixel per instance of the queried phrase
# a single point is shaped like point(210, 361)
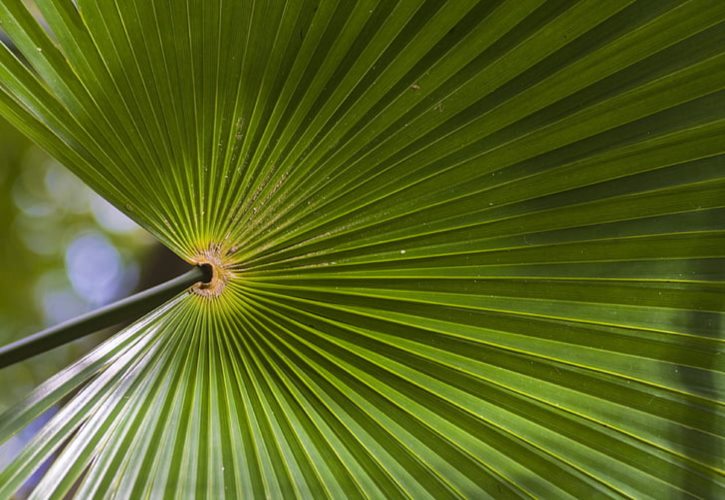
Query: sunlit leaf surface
point(461, 249)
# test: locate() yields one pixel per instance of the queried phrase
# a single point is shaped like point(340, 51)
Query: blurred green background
point(63, 251)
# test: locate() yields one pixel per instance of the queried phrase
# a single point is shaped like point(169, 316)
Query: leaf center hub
point(221, 273)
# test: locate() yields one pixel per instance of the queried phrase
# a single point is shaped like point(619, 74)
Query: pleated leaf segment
point(461, 249)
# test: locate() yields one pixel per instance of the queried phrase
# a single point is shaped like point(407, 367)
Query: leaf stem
point(130, 308)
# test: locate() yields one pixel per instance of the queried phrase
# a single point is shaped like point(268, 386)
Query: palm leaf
point(460, 248)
